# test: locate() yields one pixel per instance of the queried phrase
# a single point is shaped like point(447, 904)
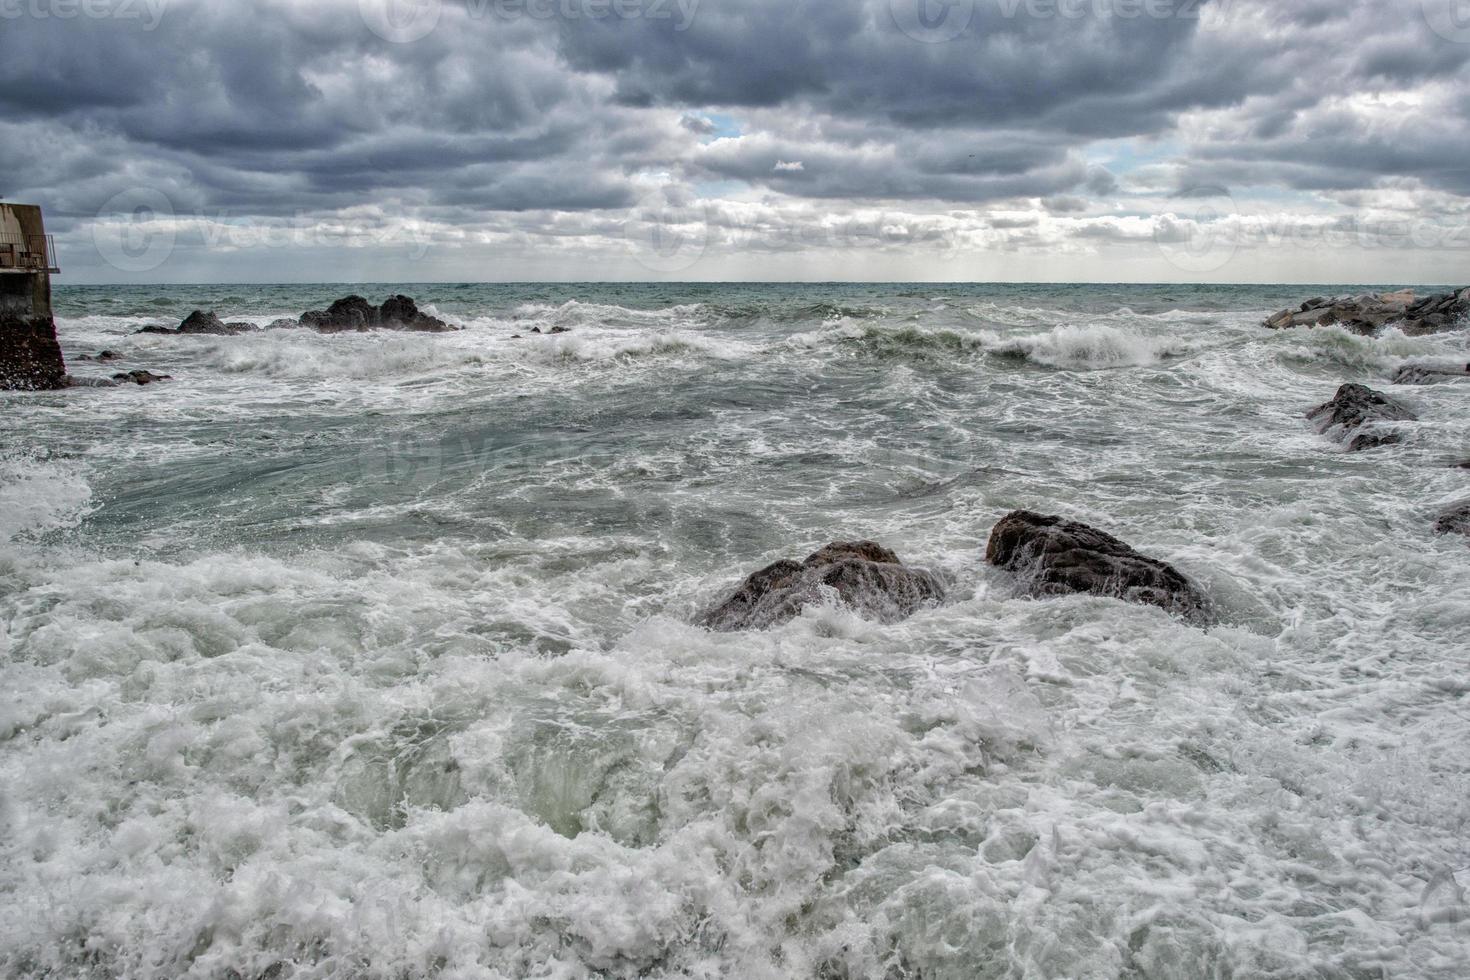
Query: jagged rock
point(1054, 556)
point(30, 357)
point(104, 355)
point(398, 312)
point(1370, 313)
point(1454, 520)
point(1428, 374)
point(201, 322)
point(140, 377)
point(1355, 406)
point(866, 577)
point(401, 313)
point(348, 313)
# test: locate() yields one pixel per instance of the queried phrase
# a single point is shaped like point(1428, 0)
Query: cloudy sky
point(1041, 140)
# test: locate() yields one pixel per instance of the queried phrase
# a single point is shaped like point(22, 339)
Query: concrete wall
point(30, 358)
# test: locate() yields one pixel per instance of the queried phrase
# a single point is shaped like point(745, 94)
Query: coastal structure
point(30, 357)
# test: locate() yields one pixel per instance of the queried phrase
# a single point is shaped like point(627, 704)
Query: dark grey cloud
point(274, 109)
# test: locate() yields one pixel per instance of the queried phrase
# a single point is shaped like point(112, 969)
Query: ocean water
point(371, 655)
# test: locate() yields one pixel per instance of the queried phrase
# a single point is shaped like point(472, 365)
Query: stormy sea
point(379, 654)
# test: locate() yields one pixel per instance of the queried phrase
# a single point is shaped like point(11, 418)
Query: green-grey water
point(371, 654)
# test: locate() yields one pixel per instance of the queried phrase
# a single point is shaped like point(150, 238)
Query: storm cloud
point(637, 138)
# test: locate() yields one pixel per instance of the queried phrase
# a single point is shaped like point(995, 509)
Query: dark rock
point(105, 355)
point(201, 322)
point(866, 577)
point(560, 330)
point(1454, 520)
point(1054, 556)
point(398, 312)
point(30, 357)
point(283, 324)
point(1428, 374)
point(1355, 406)
point(1371, 313)
point(401, 313)
point(348, 313)
point(140, 377)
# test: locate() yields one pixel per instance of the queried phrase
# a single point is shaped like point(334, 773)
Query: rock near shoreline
point(864, 576)
point(1354, 407)
point(1054, 556)
point(1372, 312)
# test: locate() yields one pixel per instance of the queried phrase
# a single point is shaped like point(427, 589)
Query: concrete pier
point(30, 357)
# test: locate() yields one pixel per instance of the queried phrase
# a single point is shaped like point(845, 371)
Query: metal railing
point(27, 253)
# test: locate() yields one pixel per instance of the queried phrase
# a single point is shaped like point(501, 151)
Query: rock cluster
point(1054, 556)
point(200, 322)
point(1354, 407)
point(866, 577)
point(1371, 312)
point(348, 314)
point(353, 313)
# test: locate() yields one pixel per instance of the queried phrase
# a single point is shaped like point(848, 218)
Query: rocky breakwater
point(1053, 556)
point(1372, 312)
point(863, 576)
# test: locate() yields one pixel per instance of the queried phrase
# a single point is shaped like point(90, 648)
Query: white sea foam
point(269, 710)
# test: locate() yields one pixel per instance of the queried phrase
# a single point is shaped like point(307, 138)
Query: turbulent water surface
point(371, 655)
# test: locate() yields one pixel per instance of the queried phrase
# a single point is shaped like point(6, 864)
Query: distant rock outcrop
point(348, 314)
point(866, 577)
point(353, 313)
point(201, 322)
point(1371, 312)
point(1355, 406)
point(1054, 556)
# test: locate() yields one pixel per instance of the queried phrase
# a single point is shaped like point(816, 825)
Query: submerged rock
point(865, 576)
point(1355, 406)
point(1054, 556)
point(1370, 313)
point(1455, 519)
point(354, 313)
point(140, 377)
point(1428, 374)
